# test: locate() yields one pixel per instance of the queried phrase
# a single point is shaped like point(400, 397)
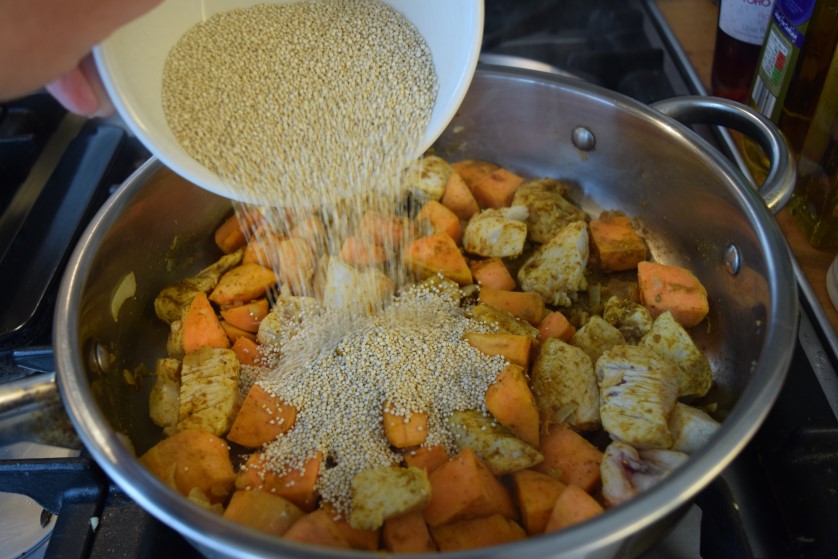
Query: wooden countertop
point(693, 22)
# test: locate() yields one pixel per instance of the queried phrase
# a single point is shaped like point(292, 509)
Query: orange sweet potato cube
point(441, 220)
point(497, 189)
point(262, 418)
point(514, 347)
point(317, 528)
point(492, 273)
point(402, 432)
point(617, 244)
point(672, 288)
point(536, 494)
point(570, 458)
point(190, 460)
point(464, 488)
point(458, 197)
point(525, 305)
point(476, 533)
point(572, 506)
point(437, 254)
point(407, 533)
point(262, 511)
point(510, 401)
point(427, 457)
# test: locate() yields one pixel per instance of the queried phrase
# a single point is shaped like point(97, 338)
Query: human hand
point(48, 42)
point(81, 90)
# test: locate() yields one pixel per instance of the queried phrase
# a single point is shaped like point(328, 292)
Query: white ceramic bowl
point(131, 64)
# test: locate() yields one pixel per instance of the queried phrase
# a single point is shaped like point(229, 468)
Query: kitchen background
point(779, 499)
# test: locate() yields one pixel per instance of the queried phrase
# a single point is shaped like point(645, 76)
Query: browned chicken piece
point(691, 428)
point(669, 339)
point(209, 390)
point(633, 320)
point(497, 232)
point(174, 341)
point(556, 270)
point(386, 492)
point(164, 398)
point(502, 451)
point(565, 386)
point(638, 390)
point(549, 210)
point(172, 300)
point(625, 471)
point(427, 178)
point(597, 336)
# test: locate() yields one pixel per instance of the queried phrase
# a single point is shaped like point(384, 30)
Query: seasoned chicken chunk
point(164, 399)
point(669, 339)
point(565, 386)
point(174, 341)
point(172, 300)
point(386, 492)
point(556, 270)
point(638, 390)
point(285, 316)
point(503, 320)
point(361, 290)
point(209, 390)
point(691, 428)
point(632, 319)
point(549, 210)
point(625, 471)
point(502, 452)
point(497, 232)
point(428, 177)
point(596, 336)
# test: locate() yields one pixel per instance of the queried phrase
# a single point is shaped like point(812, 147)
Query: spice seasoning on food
point(410, 355)
point(302, 104)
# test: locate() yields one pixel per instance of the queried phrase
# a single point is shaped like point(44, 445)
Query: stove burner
point(24, 525)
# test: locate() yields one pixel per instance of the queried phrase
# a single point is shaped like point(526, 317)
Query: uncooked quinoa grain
point(302, 104)
point(343, 368)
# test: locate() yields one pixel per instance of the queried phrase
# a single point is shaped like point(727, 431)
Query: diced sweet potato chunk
point(261, 419)
point(193, 459)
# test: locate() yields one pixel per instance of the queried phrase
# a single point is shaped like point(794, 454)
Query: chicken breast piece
point(625, 471)
point(549, 210)
point(633, 320)
point(638, 390)
point(502, 452)
point(386, 492)
point(360, 290)
point(670, 340)
point(596, 336)
point(691, 428)
point(172, 300)
point(209, 390)
point(556, 270)
point(497, 232)
point(428, 177)
point(565, 386)
point(287, 312)
point(164, 398)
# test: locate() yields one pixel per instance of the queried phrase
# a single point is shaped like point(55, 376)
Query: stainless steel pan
point(695, 210)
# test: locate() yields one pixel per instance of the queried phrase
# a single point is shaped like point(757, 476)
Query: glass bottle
point(796, 55)
point(741, 29)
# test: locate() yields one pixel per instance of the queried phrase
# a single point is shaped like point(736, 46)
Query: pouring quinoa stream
point(514, 342)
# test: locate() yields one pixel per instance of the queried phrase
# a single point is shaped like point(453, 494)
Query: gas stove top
point(778, 499)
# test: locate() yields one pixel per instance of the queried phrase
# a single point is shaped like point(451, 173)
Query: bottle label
point(780, 50)
point(745, 20)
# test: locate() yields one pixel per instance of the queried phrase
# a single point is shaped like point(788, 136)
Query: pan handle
point(779, 184)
